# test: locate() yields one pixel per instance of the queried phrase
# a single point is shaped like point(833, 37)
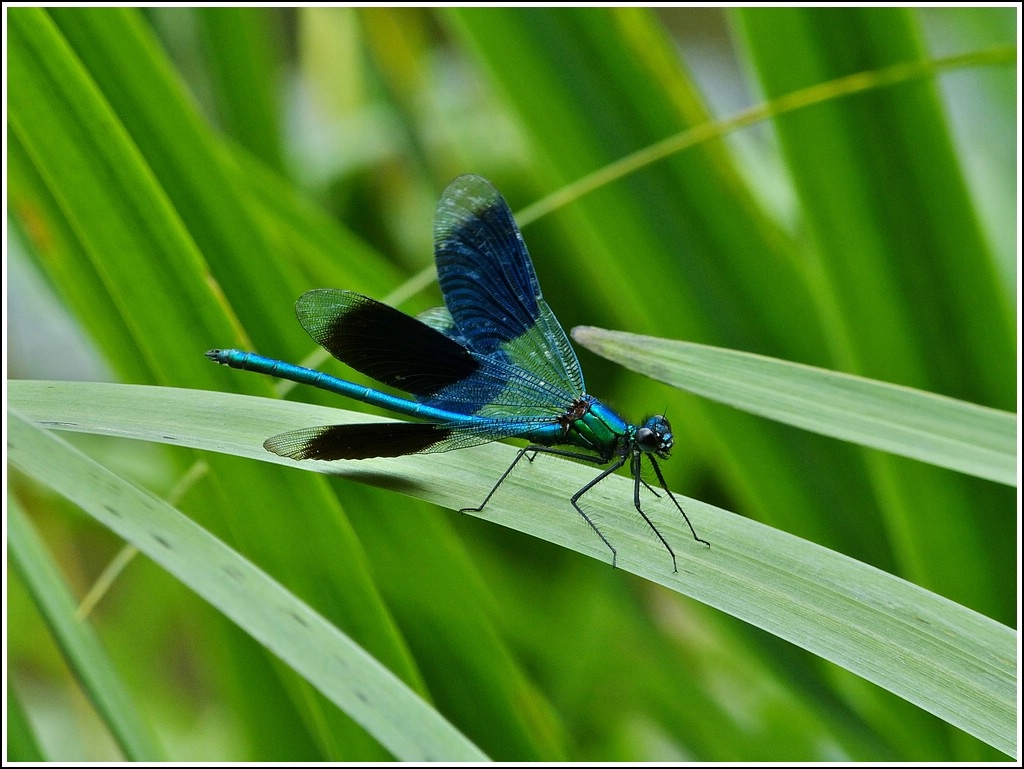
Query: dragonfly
point(494, 363)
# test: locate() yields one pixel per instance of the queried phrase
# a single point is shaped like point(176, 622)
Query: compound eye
point(655, 436)
point(647, 440)
point(650, 441)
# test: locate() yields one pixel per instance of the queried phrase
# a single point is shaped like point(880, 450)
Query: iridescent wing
point(502, 355)
point(491, 290)
point(436, 368)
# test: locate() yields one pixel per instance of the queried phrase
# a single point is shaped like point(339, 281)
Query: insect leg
point(661, 480)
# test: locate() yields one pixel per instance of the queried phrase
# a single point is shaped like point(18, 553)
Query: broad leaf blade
point(949, 660)
point(941, 431)
point(372, 695)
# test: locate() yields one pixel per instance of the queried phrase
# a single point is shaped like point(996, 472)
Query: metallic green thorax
point(591, 425)
point(599, 429)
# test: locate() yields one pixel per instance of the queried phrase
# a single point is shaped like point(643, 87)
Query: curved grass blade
point(79, 643)
point(932, 428)
point(948, 660)
point(22, 745)
point(333, 663)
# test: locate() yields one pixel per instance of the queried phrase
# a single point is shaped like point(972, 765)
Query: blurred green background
point(178, 177)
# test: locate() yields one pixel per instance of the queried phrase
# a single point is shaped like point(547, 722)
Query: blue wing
point(492, 294)
point(437, 368)
point(497, 353)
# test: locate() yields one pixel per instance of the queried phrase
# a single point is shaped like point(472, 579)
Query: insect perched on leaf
point(494, 364)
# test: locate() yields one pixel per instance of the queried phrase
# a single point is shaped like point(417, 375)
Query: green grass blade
point(948, 660)
point(244, 48)
point(906, 282)
point(932, 428)
point(104, 130)
point(347, 675)
point(140, 183)
point(21, 742)
point(900, 250)
point(166, 159)
point(81, 646)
